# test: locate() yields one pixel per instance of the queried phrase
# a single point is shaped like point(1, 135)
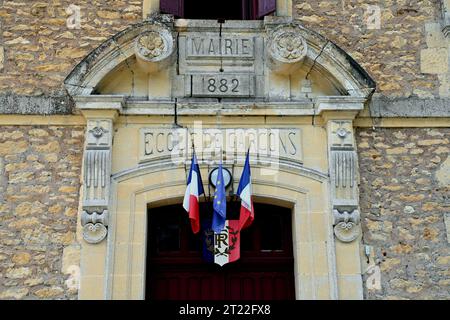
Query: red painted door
point(175, 7)
point(176, 271)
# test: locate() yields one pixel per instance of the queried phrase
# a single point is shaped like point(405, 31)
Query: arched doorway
point(176, 270)
point(130, 95)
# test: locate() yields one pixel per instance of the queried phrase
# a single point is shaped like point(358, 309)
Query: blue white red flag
point(222, 247)
point(247, 215)
point(219, 203)
point(194, 190)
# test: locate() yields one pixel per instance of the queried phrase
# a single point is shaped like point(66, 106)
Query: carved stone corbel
point(343, 176)
point(96, 179)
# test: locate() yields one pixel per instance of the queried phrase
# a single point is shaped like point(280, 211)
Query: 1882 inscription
point(223, 85)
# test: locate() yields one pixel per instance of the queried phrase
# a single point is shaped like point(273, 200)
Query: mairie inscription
point(176, 144)
point(216, 46)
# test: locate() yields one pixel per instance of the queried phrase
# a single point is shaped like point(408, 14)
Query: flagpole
point(193, 153)
point(209, 186)
point(232, 184)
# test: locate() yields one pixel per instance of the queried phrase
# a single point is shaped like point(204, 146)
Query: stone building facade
point(67, 70)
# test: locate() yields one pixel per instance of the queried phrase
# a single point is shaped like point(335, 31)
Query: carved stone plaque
point(176, 144)
point(223, 85)
point(232, 50)
point(228, 46)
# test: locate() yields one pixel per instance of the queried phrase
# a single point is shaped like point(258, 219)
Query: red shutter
point(264, 7)
point(175, 7)
point(245, 10)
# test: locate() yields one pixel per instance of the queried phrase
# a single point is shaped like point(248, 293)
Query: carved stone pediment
point(164, 63)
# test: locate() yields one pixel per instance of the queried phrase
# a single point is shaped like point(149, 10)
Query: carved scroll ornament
point(345, 224)
point(94, 226)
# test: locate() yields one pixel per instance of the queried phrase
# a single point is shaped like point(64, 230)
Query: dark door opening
point(176, 270)
point(218, 9)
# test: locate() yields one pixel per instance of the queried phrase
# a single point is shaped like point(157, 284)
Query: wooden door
point(176, 270)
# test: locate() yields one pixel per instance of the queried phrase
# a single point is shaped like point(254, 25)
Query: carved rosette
point(287, 49)
point(155, 48)
point(151, 45)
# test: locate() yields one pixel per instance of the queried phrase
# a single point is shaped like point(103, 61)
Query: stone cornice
point(386, 107)
point(379, 106)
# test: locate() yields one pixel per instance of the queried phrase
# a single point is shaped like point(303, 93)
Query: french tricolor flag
point(245, 193)
point(194, 190)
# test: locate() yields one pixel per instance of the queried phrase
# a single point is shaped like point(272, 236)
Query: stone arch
point(121, 179)
point(125, 264)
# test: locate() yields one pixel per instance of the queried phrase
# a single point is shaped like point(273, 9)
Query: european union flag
point(220, 203)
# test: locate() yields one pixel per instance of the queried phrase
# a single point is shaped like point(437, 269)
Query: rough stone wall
point(39, 190)
point(404, 193)
point(391, 51)
point(39, 47)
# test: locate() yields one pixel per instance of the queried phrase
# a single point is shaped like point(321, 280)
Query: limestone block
point(434, 36)
point(443, 174)
point(18, 273)
point(47, 293)
point(434, 60)
point(21, 258)
point(284, 8)
point(71, 257)
point(14, 294)
point(149, 6)
point(444, 88)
